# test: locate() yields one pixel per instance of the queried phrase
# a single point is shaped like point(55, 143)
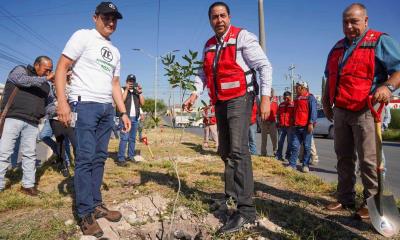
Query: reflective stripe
point(211, 48)
point(231, 41)
point(230, 85)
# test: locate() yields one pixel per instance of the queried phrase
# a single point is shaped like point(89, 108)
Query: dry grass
point(292, 200)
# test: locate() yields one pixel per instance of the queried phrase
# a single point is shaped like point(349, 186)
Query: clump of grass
point(391, 135)
point(11, 200)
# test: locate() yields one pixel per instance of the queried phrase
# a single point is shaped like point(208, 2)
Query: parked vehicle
point(182, 121)
point(324, 126)
point(197, 123)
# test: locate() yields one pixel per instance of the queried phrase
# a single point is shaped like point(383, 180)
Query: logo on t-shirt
point(106, 54)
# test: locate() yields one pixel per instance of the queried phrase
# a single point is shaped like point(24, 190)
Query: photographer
point(133, 99)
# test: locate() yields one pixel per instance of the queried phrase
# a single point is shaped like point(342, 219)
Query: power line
point(23, 37)
point(15, 51)
point(22, 25)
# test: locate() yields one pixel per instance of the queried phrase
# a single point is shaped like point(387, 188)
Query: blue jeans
point(284, 133)
point(13, 129)
point(128, 138)
point(92, 134)
point(252, 139)
point(300, 135)
point(46, 134)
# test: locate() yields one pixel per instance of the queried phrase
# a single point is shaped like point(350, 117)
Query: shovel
point(144, 140)
point(382, 209)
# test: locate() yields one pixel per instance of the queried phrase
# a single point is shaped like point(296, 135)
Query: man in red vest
point(285, 116)
point(304, 119)
point(230, 58)
point(253, 129)
point(268, 127)
point(357, 66)
point(210, 125)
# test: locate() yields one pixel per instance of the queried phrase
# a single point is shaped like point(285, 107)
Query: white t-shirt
point(132, 112)
point(97, 62)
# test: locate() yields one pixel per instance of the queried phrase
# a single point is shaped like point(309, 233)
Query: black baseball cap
point(131, 77)
point(108, 8)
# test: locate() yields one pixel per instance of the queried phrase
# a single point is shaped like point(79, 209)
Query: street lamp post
point(155, 73)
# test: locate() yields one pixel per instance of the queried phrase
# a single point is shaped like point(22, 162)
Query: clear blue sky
point(298, 32)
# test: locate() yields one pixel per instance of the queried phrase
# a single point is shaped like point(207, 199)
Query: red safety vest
point(285, 112)
point(254, 113)
point(209, 118)
point(227, 79)
point(301, 110)
point(350, 86)
point(274, 110)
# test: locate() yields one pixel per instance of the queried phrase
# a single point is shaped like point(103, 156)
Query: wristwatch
point(390, 87)
point(122, 113)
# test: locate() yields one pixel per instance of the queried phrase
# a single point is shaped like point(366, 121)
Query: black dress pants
point(233, 121)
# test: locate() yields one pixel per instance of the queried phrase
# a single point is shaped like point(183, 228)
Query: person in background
point(268, 127)
point(387, 117)
point(22, 119)
point(94, 86)
point(210, 125)
point(365, 62)
point(230, 80)
point(133, 100)
point(253, 130)
point(142, 117)
point(284, 116)
point(304, 119)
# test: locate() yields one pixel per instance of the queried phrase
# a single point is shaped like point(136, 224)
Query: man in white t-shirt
point(133, 99)
point(94, 84)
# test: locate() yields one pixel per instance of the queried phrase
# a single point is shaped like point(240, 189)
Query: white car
point(324, 126)
point(197, 123)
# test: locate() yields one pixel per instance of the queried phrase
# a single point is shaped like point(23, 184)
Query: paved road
point(327, 161)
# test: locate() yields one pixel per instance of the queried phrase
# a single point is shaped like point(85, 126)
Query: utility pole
point(155, 87)
point(291, 76)
point(261, 26)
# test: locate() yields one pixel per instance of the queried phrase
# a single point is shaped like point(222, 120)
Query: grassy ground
point(291, 200)
point(391, 135)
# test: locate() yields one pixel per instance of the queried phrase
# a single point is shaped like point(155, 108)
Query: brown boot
point(32, 191)
point(112, 216)
point(89, 226)
point(337, 206)
point(362, 213)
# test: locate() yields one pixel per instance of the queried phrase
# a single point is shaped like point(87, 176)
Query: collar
point(356, 40)
point(98, 35)
point(221, 39)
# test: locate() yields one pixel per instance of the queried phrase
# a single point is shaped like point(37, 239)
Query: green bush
point(391, 135)
point(395, 120)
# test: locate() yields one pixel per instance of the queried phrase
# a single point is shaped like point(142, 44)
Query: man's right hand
point(187, 105)
point(50, 76)
point(64, 113)
point(328, 112)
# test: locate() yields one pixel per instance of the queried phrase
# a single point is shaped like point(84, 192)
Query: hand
point(328, 112)
point(50, 76)
point(382, 94)
point(127, 123)
point(187, 105)
point(310, 128)
point(265, 107)
point(139, 89)
point(64, 113)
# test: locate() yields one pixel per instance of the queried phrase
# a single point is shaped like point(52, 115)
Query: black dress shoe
point(235, 223)
point(122, 163)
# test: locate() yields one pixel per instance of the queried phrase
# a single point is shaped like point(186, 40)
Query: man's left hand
point(310, 128)
point(127, 123)
point(382, 94)
point(265, 107)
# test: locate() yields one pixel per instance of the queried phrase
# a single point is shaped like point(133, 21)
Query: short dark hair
point(287, 94)
point(358, 5)
point(39, 59)
point(218, 4)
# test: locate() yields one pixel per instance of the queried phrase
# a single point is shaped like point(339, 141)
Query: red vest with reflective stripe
point(285, 112)
point(301, 110)
point(210, 118)
point(350, 86)
point(274, 110)
point(227, 79)
point(254, 113)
